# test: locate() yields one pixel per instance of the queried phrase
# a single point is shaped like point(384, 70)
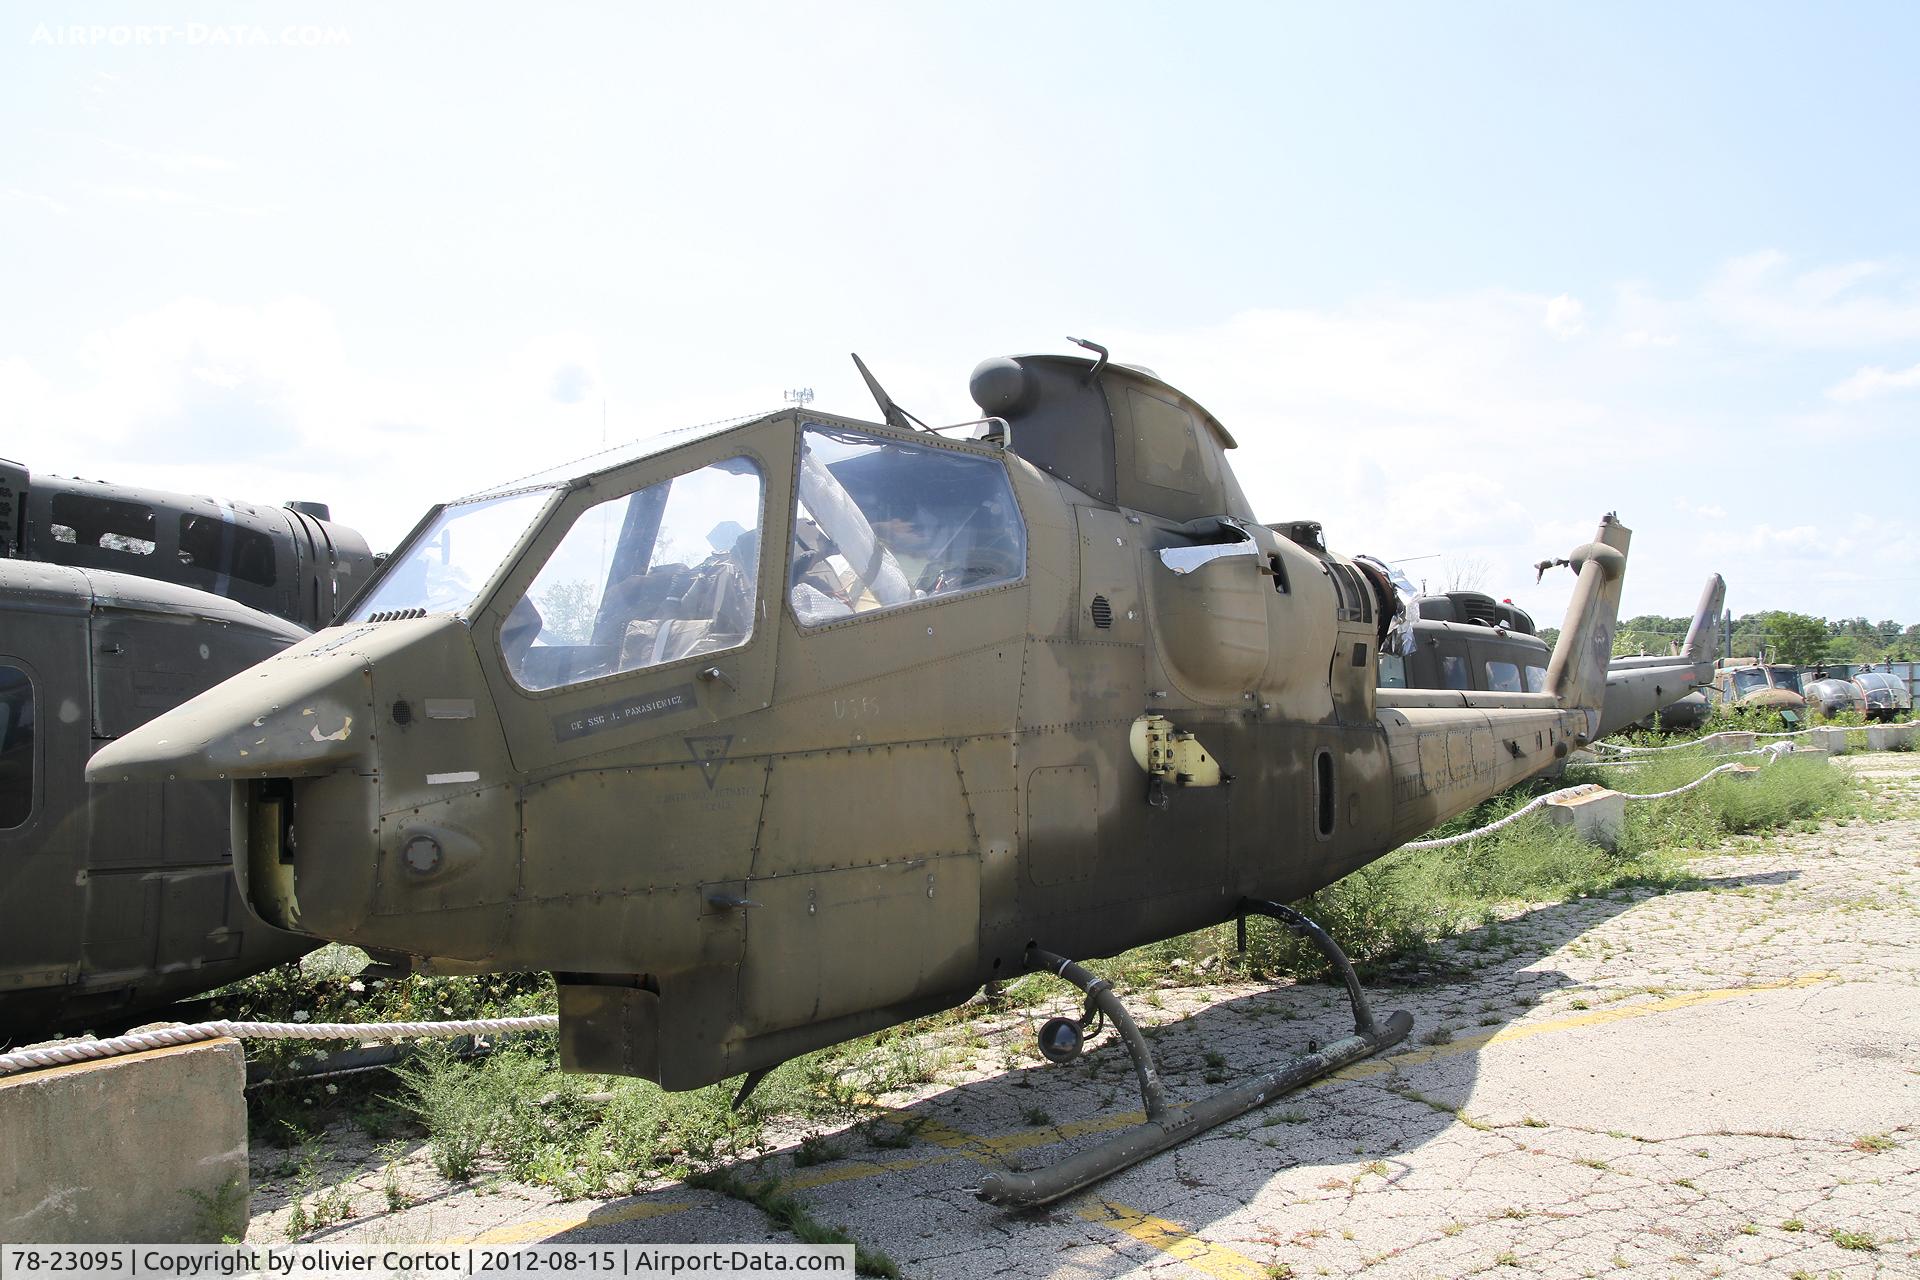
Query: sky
point(1459, 278)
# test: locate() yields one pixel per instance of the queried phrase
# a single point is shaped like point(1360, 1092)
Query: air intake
point(1102, 613)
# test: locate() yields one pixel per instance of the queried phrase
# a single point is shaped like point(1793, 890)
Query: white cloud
point(176, 199)
point(1758, 297)
point(1711, 511)
point(1459, 425)
point(1874, 380)
point(1566, 317)
point(1801, 541)
point(1642, 338)
point(13, 195)
point(264, 403)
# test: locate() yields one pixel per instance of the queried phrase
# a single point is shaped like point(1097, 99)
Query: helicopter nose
point(303, 712)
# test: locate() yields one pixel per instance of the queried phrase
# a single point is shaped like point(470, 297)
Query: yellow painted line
point(1572, 1022)
point(1171, 1239)
point(545, 1228)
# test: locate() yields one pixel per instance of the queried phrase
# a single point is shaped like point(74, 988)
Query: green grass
point(598, 1135)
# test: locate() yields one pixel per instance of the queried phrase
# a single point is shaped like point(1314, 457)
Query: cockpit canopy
point(671, 569)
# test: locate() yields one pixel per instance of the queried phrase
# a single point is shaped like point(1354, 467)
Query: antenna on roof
point(893, 413)
point(1093, 374)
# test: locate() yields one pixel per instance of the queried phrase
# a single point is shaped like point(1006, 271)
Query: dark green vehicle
point(118, 603)
point(773, 733)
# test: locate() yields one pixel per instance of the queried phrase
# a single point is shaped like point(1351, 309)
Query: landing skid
point(1170, 1123)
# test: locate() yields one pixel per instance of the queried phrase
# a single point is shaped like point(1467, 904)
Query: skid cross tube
point(1168, 1123)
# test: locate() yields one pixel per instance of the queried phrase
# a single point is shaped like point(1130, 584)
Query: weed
point(1036, 1116)
point(396, 1196)
point(1873, 1142)
point(457, 1114)
point(315, 1207)
point(784, 1211)
point(814, 1149)
point(1855, 1240)
point(893, 1139)
point(1793, 1224)
point(335, 1204)
point(220, 1213)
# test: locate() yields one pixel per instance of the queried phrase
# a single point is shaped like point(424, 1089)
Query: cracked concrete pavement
point(1721, 1080)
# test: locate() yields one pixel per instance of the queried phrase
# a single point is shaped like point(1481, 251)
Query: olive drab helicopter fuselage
point(789, 729)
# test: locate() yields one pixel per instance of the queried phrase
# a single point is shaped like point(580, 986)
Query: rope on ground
point(1568, 792)
point(1699, 781)
point(1626, 749)
point(1776, 749)
point(1443, 842)
point(165, 1037)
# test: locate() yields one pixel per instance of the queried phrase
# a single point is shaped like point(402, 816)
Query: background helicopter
point(776, 732)
point(116, 901)
point(1467, 640)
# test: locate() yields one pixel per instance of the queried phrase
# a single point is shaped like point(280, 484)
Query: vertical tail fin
point(1703, 636)
point(1577, 672)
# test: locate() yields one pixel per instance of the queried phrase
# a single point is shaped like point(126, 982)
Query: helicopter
point(1467, 640)
point(292, 561)
point(117, 900)
point(118, 602)
point(771, 733)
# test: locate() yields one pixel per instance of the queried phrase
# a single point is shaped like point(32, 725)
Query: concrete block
point(144, 1148)
point(1728, 744)
point(1596, 816)
point(1831, 741)
point(1890, 737)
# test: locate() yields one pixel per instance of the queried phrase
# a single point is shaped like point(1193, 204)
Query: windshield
point(1784, 678)
point(1747, 679)
point(446, 566)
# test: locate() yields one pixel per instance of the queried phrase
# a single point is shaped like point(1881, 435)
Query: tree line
point(1797, 639)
